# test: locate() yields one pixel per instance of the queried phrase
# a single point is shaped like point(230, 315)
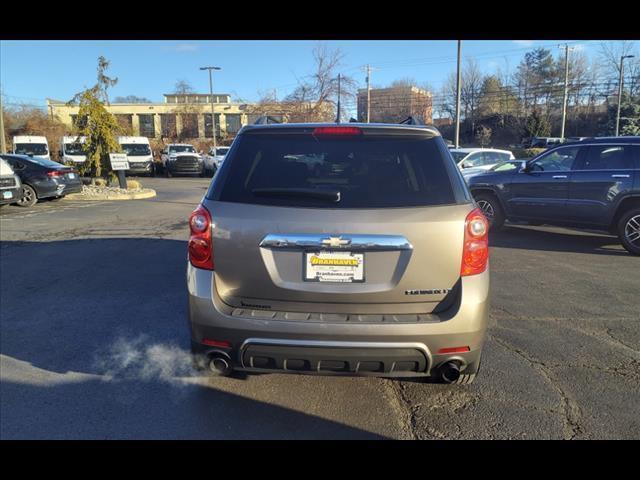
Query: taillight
point(55, 173)
point(454, 350)
point(342, 131)
point(200, 245)
point(216, 343)
point(475, 251)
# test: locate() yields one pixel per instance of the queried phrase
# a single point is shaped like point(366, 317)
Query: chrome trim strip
point(334, 344)
point(620, 176)
point(351, 242)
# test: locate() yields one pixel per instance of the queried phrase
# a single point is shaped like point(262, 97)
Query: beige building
point(394, 104)
point(181, 116)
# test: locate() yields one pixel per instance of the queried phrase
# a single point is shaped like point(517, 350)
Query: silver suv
point(341, 250)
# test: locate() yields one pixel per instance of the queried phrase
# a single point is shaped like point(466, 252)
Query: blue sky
point(31, 71)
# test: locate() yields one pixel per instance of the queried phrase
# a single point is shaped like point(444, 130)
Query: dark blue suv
point(591, 184)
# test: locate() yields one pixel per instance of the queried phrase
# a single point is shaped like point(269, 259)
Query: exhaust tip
point(450, 372)
point(219, 365)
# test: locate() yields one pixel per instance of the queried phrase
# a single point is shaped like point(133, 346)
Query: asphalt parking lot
point(94, 340)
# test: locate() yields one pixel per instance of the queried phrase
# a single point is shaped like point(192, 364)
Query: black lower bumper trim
point(360, 360)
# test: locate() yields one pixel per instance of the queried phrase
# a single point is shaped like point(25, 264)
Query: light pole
point(3, 146)
point(213, 114)
point(620, 90)
point(339, 94)
point(566, 90)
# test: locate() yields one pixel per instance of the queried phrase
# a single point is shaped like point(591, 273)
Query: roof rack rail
point(266, 119)
point(412, 121)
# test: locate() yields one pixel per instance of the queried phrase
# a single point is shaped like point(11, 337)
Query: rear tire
point(29, 197)
point(629, 231)
point(491, 208)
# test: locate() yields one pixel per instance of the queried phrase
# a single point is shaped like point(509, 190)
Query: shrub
point(133, 185)
point(527, 152)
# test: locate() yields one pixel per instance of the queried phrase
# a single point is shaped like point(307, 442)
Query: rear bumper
point(16, 193)
point(280, 342)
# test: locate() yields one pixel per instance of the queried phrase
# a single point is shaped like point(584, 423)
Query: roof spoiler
point(412, 121)
point(265, 120)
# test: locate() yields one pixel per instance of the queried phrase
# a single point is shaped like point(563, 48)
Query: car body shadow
point(95, 344)
point(556, 240)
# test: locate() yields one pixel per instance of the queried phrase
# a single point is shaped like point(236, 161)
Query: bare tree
point(182, 87)
point(609, 56)
point(316, 96)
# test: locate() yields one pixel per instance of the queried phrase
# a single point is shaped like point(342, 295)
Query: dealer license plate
point(336, 267)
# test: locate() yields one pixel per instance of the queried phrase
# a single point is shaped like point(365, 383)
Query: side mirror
point(525, 168)
point(465, 165)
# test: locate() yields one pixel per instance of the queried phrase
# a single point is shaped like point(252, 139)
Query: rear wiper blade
point(320, 194)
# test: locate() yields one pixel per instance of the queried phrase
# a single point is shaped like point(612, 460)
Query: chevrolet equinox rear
point(339, 250)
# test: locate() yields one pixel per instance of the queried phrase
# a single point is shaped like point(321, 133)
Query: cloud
point(525, 43)
point(183, 47)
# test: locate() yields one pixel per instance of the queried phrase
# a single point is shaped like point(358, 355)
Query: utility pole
point(338, 116)
point(3, 145)
point(458, 89)
point(620, 91)
point(213, 114)
point(566, 90)
point(368, 94)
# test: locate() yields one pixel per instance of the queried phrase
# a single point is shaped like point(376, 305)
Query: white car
point(215, 158)
point(72, 151)
point(480, 158)
point(181, 158)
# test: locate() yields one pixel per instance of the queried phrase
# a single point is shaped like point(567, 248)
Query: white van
point(31, 145)
point(139, 154)
point(71, 150)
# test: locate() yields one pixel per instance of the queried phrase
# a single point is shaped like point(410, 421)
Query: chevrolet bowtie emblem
point(335, 241)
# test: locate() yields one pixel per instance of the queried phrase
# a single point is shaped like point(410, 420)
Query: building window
point(208, 130)
point(126, 123)
point(189, 125)
point(147, 128)
point(233, 122)
point(168, 125)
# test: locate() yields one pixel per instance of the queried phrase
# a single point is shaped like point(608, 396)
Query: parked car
point(31, 145)
point(10, 185)
point(591, 184)
point(541, 142)
point(42, 178)
point(139, 155)
point(215, 158)
point(482, 158)
point(377, 266)
point(181, 158)
point(72, 150)
point(468, 173)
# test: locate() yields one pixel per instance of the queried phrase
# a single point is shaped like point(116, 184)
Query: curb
point(147, 193)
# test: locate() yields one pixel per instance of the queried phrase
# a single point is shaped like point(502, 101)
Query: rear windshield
point(353, 172)
point(45, 163)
